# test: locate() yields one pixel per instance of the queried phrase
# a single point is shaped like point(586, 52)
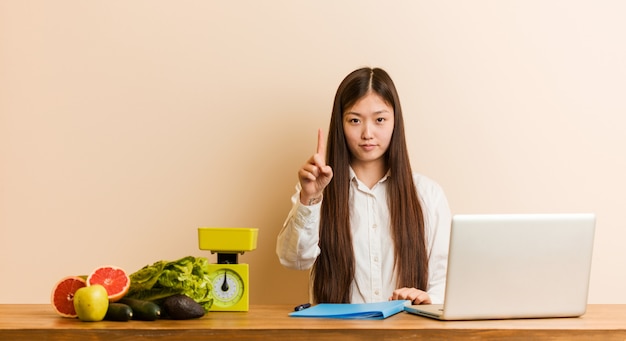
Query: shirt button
point(376, 259)
point(374, 226)
point(376, 292)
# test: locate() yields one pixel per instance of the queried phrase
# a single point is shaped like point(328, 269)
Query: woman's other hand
point(412, 294)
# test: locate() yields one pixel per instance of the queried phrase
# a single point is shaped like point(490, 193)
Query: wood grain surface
point(271, 322)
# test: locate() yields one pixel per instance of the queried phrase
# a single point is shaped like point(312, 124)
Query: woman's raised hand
point(315, 175)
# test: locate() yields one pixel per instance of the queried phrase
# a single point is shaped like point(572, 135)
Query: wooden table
point(270, 322)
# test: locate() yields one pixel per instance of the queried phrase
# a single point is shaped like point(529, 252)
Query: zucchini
point(118, 312)
point(142, 310)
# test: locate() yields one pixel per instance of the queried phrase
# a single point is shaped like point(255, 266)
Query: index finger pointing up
point(321, 143)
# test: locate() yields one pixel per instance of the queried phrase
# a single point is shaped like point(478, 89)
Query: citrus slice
point(62, 297)
point(113, 279)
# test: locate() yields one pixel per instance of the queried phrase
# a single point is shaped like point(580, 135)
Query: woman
point(368, 227)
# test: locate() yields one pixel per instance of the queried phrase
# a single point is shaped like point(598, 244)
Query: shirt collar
point(354, 178)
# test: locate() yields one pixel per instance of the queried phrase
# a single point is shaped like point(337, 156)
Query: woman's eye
point(380, 120)
point(353, 120)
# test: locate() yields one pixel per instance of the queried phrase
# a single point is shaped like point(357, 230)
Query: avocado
point(182, 307)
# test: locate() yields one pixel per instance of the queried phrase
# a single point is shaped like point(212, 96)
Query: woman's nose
point(366, 134)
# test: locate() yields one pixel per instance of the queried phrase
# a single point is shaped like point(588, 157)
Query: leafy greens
point(188, 276)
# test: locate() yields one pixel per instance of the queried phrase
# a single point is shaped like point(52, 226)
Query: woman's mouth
point(368, 147)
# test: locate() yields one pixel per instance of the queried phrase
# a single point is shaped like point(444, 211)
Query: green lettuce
point(188, 276)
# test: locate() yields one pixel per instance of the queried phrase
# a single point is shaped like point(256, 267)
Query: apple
point(91, 303)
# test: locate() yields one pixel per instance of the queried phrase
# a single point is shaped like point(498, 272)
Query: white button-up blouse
point(374, 279)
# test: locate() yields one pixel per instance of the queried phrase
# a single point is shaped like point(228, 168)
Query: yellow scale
point(229, 278)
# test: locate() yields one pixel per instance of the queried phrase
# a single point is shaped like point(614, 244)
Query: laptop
point(511, 266)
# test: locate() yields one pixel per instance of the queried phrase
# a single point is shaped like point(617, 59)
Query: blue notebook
point(364, 311)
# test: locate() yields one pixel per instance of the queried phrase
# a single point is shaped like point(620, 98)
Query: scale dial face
point(228, 287)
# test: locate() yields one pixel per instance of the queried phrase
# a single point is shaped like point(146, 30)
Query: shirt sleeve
point(297, 243)
point(438, 221)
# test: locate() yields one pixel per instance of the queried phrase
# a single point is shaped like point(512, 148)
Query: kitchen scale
point(229, 278)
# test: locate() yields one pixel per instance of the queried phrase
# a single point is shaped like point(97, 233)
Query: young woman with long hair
point(368, 227)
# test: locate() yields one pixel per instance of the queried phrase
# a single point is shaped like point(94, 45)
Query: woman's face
point(368, 127)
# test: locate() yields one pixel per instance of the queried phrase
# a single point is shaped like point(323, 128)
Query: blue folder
point(364, 311)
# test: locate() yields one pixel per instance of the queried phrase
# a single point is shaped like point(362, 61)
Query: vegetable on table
point(142, 310)
point(188, 276)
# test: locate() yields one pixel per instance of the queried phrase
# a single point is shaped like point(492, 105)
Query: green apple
point(91, 302)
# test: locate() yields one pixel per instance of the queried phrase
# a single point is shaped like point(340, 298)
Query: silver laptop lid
point(519, 266)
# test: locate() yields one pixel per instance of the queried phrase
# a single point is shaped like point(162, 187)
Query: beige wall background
point(125, 125)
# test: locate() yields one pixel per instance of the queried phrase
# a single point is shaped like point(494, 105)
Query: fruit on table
point(62, 297)
point(91, 303)
point(184, 283)
point(113, 279)
point(182, 307)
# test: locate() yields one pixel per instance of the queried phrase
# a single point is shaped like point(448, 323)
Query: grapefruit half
point(62, 297)
point(113, 279)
